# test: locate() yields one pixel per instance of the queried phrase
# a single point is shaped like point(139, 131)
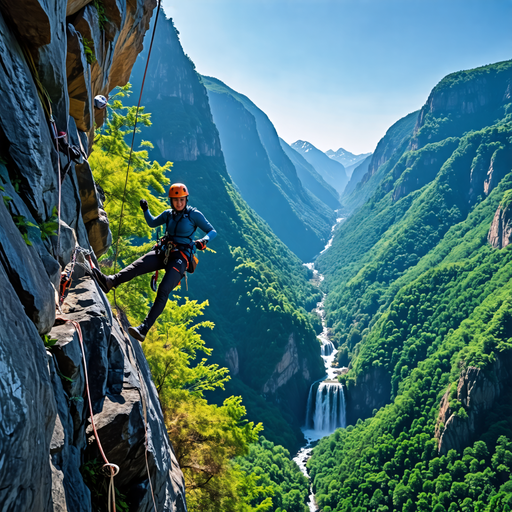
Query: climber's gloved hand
point(144, 205)
point(201, 244)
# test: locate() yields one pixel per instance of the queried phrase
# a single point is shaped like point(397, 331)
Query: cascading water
point(327, 349)
point(325, 410)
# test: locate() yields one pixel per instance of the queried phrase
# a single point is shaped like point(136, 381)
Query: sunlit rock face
point(477, 392)
point(177, 100)
point(45, 432)
point(500, 233)
point(462, 102)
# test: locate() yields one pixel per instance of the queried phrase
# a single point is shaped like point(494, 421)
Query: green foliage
point(98, 481)
point(22, 223)
point(109, 163)
point(206, 437)
point(48, 341)
point(405, 467)
point(249, 328)
point(88, 50)
point(417, 296)
point(282, 484)
point(102, 15)
point(494, 78)
point(49, 228)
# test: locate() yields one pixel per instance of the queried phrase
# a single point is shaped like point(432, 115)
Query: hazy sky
point(339, 73)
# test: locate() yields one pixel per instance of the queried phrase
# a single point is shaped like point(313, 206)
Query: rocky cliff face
point(47, 449)
point(172, 78)
point(478, 391)
point(395, 137)
point(463, 101)
point(388, 152)
point(500, 233)
point(371, 391)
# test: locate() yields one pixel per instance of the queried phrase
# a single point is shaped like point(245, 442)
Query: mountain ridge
point(264, 173)
point(331, 171)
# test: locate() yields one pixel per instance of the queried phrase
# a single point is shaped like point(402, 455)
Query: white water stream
point(325, 410)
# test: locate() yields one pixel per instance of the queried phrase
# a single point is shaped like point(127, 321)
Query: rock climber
point(173, 252)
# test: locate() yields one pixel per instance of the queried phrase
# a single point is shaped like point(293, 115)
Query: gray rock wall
point(478, 391)
point(48, 455)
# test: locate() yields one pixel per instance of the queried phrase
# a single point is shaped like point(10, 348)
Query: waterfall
point(325, 408)
point(327, 348)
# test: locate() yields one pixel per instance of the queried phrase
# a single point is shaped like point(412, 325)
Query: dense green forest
point(286, 488)
point(258, 290)
point(417, 298)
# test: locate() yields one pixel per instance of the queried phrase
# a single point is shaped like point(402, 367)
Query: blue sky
point(339, 73)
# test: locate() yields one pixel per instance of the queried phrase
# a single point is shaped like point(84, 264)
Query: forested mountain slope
point(257, 289)
point(266, 177)
point(420, 302)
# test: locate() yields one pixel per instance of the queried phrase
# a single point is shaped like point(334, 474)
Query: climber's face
point(178, 203)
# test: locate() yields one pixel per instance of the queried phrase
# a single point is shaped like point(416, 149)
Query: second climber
point(173, 253)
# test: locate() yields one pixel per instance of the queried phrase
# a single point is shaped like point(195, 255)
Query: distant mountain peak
point(303, 145)
point(331, 171)
point(345, 157)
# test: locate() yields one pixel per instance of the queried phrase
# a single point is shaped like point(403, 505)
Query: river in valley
point(325, 409)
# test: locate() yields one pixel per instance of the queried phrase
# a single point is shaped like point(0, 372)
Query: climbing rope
point(145, 411)
point(133, 141)
point(112, 468)
point(66, 280)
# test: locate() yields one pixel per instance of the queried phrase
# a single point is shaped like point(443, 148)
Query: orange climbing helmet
point(178, 190)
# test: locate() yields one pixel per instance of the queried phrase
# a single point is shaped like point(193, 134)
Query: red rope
point(133, 138)
point(114, 469)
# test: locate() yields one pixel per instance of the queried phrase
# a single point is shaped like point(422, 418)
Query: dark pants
point(150, 262)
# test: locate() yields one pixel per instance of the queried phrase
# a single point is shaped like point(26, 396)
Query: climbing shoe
point(106, 283)
point(139, 333)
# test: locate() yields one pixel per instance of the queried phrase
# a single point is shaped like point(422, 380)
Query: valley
point(345, 342)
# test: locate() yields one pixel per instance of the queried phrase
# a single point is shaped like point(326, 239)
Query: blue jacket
point(181, 226)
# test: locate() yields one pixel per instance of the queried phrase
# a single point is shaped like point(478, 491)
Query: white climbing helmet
point(100, 102)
